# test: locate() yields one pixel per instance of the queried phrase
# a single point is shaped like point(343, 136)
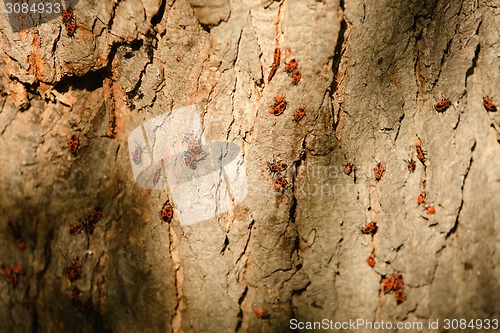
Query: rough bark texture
point(371, 74)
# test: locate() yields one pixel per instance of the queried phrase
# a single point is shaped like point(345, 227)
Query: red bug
point(370, 228)
point(420, 154)
point(296, 76)
point(291, 65)
point(276, 56)
point(76, 228)
point(272, 72)
point(400, 296)
point(6, 271)
point(73, 271)
point(96, 215)
point(67, 14)
point(276, 63)
point(280, 184)
point(70, 27)
point(91, 220)
point(278, 99)
point(442, 105)
point(73, 143)
point(279, 109)
point(90, 227)
point(489, 105)
point(17, 269)
point(348, 168)
point(398, 282)
point(412, 165)
point(388, 284)
point(299, 114)
point(277, 166)
point(379, 171)
point(21, 244)
point(371, 260)
point(430, 209)
point(167, 212)
point(421, 198)
point(261, 314)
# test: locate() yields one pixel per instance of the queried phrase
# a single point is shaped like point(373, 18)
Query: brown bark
point(371, 74)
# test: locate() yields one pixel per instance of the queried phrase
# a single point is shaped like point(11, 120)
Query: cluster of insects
point(194, 152)
point(420, 152)
point(167, 212)
point(444, 104)
point(429, 208)
point(279, 105)
point(73, 144)
point(12, 274)
point(291, 68)
point(73, 271)
point(15, 231)
point(69, 20)
point(276, 169)
point(395, 283)
point(86, 223)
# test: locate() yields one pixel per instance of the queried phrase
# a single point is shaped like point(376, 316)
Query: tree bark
point(372, 73)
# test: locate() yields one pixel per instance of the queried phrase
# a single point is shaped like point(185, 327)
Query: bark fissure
point(240, 313)
point(455, 225)
point(176, 319)
point(338, 54)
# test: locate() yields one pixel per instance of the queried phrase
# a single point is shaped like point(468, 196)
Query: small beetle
point(489, 105)
point(291, 65)
point(442, 105)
